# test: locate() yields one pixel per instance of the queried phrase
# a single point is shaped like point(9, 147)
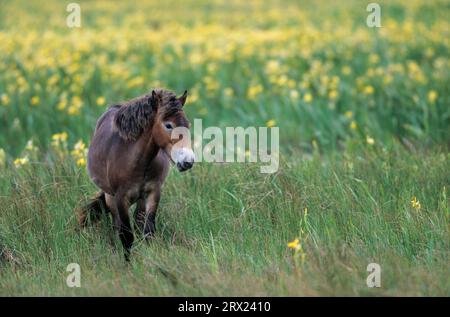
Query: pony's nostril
point(188, 165)
point(183, 166)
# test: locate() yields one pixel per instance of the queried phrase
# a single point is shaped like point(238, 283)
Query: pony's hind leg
point(145, 214)
point(121, 221)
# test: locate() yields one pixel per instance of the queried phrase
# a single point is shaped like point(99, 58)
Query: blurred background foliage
point(313, 68)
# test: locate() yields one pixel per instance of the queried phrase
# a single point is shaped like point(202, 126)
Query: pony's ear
point(154, 101)
point(182, 99)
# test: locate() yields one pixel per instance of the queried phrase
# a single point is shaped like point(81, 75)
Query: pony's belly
point(104, 187)
point(98, 175)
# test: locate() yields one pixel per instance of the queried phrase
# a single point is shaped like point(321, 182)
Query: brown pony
point(129, 158)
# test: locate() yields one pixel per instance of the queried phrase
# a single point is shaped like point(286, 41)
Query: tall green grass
point(224, 229)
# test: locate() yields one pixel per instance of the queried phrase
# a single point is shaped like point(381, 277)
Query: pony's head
point(171, 128)
point(161, 113)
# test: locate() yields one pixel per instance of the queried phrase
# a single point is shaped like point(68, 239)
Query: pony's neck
point(150, 149)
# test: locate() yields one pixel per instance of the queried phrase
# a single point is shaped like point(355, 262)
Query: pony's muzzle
point(184, 166)
point(184, 158)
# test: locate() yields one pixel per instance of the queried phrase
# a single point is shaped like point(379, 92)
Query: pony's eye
point(168, 126)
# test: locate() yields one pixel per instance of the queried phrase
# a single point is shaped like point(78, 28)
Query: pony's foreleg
point(139, 216)
point(145, 215)
point(119, 210)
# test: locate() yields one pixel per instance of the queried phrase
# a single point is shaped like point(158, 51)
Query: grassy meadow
point(364, 122)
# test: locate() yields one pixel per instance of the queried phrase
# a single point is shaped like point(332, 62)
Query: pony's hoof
point(149, 231)
point(149, 236)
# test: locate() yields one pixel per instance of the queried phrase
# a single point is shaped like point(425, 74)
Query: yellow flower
point(35, 100)
point(324, 80)
point(21, 82)
point(295, 244)
point(79, 146)
point(18, 162)
point(304, 85)
point(281, 80)
point(348, 114)
point(211, 83)
point(75, 106)
point(136, 81)
point(228, 92)
point(5, 99)
point(415, 203)
point(79, 153)
point(193, 97)
point(271, 123)
point(353, 125)
point(432, 96)
point(59, 140)
point(73, 110)
point(81, 162)
point(30, 146)
point(368, 90)
point(61, 105)
point(100, 101)
point(60, 136)
point(297, 247)
point(333, 94)
point(307, 97)
point(253, 91)
point(346, 70)
point(272, 66)
point(370, 140)
point(52, 80)
point(374, 58)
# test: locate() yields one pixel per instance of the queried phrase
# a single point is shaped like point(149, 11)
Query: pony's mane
point(136, 115)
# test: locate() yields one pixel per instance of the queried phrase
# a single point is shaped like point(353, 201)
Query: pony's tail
point(93, 210)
